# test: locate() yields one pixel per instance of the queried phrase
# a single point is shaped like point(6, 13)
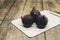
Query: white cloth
point(33, 31)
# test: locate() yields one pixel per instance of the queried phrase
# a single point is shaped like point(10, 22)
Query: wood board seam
point(8, 12)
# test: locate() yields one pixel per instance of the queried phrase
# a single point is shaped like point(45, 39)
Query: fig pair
point(34, 17)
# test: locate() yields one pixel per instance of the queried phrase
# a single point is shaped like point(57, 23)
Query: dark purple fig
point(27, 21)
point(35, 12)
point(41, 21)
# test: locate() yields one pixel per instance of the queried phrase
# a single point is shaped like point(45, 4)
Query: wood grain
point(20, 8)
point(3, 30)
point(14, 33)
point(52, 5)
point(5, 6)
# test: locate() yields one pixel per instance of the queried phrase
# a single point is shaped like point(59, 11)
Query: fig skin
point(41, 21)
point(35, 13)
point(27, 21)
point(34, 17)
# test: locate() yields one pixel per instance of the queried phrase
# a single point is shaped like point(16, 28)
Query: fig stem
point(33, 8)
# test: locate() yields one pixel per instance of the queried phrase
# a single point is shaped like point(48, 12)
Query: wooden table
point(13, 9)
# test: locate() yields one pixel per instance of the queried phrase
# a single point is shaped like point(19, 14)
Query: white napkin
point(33, 31)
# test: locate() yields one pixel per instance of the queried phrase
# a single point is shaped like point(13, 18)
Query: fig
point(27, 21)
point(34, 13)
point(34, 17)
point(42, 21)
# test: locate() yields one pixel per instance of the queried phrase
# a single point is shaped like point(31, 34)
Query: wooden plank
point(3, 30)
point(53, 5)
point(5, 6)
point(20, 9)
point(27, 10)
point(39, 6)
point(6, 25)
point(20, 35)
point(16, 10)
point(1, 2)
point(15, 34)
point(54, 33)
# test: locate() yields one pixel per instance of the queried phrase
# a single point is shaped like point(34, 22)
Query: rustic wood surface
point(13, 9)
